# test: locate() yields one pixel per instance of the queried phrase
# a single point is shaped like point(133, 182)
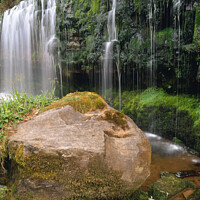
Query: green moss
point(168, 186)
point(117, 118)
point(95, 181)
point(80, 101)
point(165, 36)
point(139, 195)
point(170, 116)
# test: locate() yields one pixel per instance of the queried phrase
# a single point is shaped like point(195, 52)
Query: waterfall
point(108, 57)
point(27, 48)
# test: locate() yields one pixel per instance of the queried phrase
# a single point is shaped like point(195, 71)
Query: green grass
point(16, 106)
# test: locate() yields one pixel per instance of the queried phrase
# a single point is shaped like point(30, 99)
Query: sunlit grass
point(17, 105)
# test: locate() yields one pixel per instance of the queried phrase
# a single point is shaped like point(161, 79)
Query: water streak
point(107, 75)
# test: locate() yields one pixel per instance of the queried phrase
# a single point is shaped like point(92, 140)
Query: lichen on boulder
point(79, 148)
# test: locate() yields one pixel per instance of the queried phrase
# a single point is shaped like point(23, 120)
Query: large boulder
point(79, 148)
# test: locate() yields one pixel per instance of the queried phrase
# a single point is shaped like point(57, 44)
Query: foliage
point(81, 22)
point(196, 37)
point(18, 105)
point(142, 40)
point(164, 114)
point(7, 4)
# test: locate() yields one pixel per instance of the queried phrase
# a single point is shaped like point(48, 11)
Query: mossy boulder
point(79, 148)
point(168, 186)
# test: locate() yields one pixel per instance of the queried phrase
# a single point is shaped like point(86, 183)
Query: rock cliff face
point(65, 154)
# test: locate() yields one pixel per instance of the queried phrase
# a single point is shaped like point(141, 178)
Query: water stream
point(27, 47)
point(169, 157)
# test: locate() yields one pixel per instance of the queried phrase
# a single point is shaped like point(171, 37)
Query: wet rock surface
point(97, 155)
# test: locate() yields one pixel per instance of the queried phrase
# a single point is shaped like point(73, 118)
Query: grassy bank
point(173, 117)
point(19, 106)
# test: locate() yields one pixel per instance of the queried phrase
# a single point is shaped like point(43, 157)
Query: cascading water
point(27, 46)
point(108, 57)
point(177, 43)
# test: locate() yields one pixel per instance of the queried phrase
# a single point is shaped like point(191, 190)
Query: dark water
point(170, 157)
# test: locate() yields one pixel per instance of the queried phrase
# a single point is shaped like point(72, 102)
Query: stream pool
point(170, 157)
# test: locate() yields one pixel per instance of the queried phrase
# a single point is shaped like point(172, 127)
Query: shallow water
point(169, 157)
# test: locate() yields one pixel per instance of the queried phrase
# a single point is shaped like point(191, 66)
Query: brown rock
point(62, 147)
point(187, 193)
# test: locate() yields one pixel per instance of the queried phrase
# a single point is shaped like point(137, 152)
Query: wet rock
point(167, 186)
point(97, 154)
point(183, 174)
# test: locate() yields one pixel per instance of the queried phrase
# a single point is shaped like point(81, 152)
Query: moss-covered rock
point(80, 101)
point(65, 154)
point(168, 186)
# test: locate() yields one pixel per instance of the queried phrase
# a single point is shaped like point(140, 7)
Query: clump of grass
point(17, 105)
point(81, 101)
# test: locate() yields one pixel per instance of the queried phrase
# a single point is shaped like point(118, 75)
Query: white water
point(166, 147)
point(27, 42)
point(107, 75)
